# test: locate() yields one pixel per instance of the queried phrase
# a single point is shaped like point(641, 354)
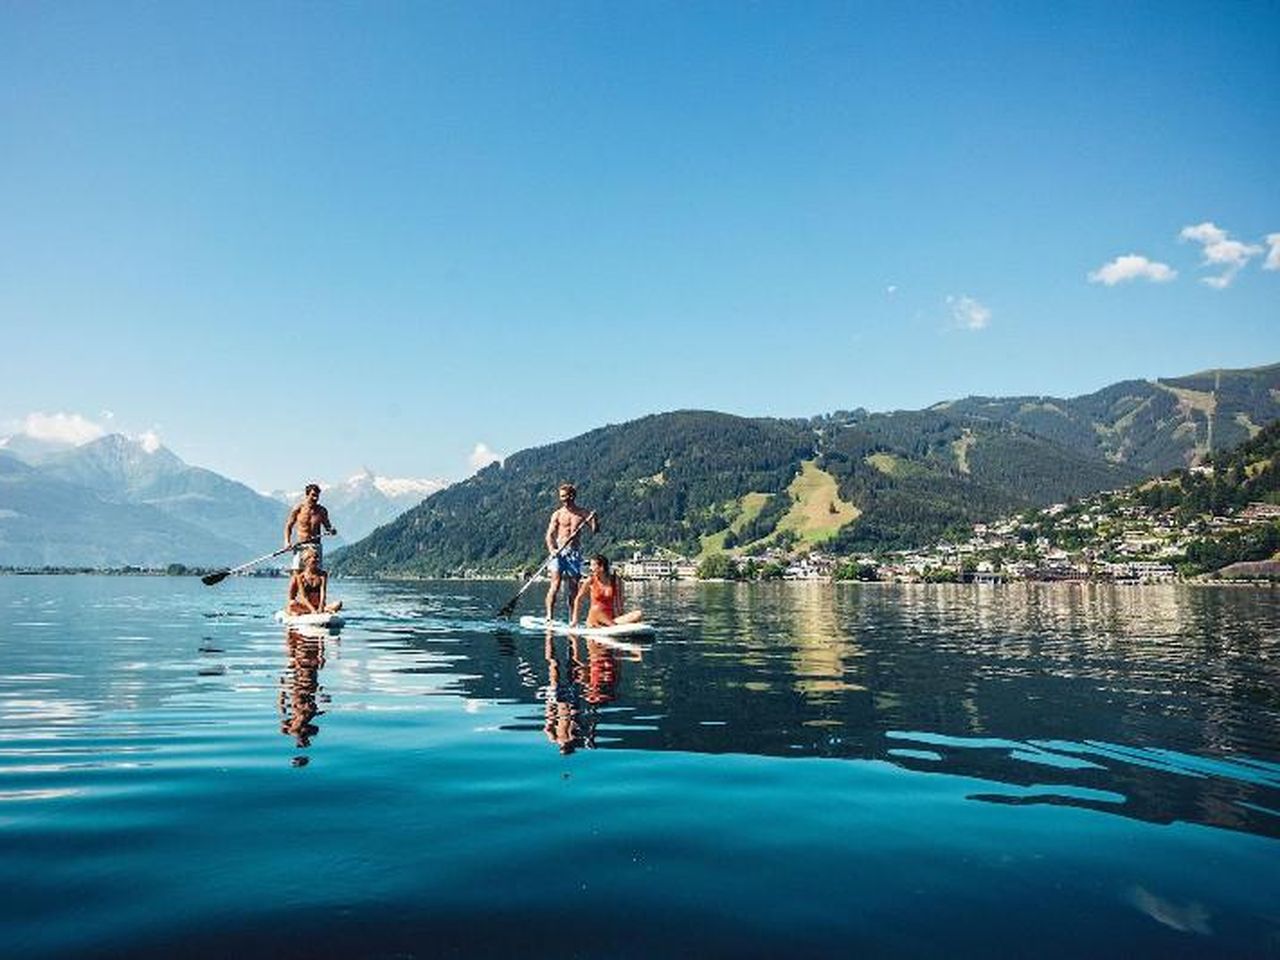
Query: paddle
point(509, 607)
point(209, 579)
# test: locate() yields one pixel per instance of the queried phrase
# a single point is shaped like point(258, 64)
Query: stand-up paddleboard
point(327, 621)
point(618, 631)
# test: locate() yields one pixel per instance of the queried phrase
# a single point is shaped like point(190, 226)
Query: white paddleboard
point(330, 621)
point(618, 630)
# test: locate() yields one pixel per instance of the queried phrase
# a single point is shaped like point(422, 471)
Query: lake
point(784, 769)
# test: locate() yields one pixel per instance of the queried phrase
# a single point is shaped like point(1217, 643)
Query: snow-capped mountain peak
point(407, 487)
point(366, 500)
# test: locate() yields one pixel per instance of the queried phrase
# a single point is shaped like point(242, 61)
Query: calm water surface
point(784, 770)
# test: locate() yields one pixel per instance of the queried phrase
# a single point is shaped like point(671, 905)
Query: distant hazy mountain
point(139, 472)
point(366, 501)
point(32, 450)
point(698, 480)
point(45, 521)
point(118, 501)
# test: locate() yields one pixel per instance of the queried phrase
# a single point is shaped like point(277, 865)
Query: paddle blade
point(209, 579)
point(509, 607)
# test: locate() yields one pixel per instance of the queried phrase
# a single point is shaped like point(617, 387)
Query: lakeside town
point(1105, 537)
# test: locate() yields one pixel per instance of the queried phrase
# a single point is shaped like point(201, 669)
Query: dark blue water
point(786, 769)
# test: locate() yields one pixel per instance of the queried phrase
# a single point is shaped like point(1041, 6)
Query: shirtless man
point(309, 518)
point(565, 526)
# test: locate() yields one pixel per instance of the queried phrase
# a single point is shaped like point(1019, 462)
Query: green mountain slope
point(918, 476)
point(659, 481)
point(1232, 479)
point(1246, 475)
point(1222, 512)
point(673, 479)
point(1152, 425)
point(693, 480)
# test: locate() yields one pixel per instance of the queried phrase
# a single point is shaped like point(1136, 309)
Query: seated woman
point(605, 590)
point(308, 589)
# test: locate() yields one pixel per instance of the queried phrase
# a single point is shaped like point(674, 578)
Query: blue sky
point(295, 238)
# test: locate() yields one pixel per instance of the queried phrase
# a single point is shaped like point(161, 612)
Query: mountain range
point(117, 501)
point(696, 482)
point(689, 481)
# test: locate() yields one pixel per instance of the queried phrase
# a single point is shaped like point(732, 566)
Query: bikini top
point(602, 594)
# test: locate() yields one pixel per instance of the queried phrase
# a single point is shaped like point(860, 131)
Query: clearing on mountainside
point(818, 512)
point(748, 508)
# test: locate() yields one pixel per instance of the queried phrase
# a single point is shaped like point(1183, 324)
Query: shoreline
point(190, 573)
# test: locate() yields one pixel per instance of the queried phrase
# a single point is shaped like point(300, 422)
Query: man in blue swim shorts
point(566, 523)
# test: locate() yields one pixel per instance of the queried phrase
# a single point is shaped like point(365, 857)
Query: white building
point(640, 567)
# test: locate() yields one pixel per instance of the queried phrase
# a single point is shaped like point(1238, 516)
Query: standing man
point(566, 523)
point(309, 518)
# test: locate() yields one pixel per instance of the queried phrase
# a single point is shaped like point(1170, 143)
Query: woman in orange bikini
point(605, 590)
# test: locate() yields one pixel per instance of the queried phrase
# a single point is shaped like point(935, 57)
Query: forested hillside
point(921, 475)
point(670, 480)
point(1151, 425)
point(1247, 474)
point(1221, 512)
point(661, 480)
point(676, 480)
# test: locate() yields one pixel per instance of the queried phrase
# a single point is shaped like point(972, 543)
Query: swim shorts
point(568, 564)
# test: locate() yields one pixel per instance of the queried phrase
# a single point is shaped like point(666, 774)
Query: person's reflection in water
point(300, 690)
point(563, 696)
point(603, 672)
point(576, 689)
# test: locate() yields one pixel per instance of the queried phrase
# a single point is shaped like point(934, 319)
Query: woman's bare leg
point(600, 620)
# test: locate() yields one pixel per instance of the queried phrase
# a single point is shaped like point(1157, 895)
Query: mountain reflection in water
point(1159, 703)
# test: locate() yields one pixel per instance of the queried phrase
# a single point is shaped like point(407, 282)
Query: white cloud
point(482, 456)
point(891, 289)
point(150, 441)
point(74, 429)
point(1273, 255)
point(968, 313)
point(1205, 233)
point(61, 428)
point(1219, 250)
point(1132, 266)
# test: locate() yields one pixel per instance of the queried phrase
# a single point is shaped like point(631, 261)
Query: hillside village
point(1106, 537)
point(1218, 519)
